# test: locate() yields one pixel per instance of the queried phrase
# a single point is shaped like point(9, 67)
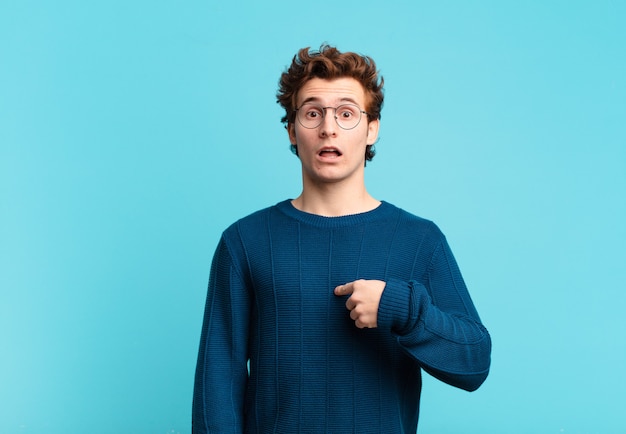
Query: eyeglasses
point(347, 116)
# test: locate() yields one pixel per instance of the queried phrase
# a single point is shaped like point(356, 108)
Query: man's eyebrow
point(309, 99)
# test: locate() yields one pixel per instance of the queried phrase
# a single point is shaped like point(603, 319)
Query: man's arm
point(221, 371)
point(435, 322)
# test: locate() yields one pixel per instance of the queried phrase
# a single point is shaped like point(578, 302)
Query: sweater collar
point(383, 210)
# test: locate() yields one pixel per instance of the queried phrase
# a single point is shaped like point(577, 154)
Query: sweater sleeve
point(221, 371)
point(437, 323)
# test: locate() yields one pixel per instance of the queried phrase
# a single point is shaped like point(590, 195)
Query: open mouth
point(329, 152)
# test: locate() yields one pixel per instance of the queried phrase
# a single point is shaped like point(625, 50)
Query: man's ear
point(372, 131)
point(291, 130)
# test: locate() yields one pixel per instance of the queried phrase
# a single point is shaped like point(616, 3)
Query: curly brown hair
point(330, 63)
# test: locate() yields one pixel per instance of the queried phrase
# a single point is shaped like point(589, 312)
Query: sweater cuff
point(394, 307)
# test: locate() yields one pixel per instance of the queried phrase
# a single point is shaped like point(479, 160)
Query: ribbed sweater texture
point(279, 352)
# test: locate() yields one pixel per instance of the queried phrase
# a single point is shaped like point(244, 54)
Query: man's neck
point(335, 202)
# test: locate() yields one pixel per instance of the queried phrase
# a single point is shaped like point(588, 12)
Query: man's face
point(329, 153)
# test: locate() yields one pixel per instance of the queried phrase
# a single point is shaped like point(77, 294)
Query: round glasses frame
point(320, 112)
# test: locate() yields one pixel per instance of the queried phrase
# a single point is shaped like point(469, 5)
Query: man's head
point(329, 63)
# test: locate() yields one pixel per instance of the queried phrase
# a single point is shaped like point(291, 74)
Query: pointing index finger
point(344, 289)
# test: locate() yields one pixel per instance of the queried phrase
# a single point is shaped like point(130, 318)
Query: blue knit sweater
point(271, 304)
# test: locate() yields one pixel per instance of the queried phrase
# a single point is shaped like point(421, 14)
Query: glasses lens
point(347, 116)
point(310, 116)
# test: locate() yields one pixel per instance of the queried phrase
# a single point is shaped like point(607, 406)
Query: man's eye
point(346, 114)
point(313, 114)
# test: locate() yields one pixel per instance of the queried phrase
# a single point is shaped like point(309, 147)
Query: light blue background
point(133, 132)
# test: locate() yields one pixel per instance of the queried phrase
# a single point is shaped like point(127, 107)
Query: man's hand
point(363, 301)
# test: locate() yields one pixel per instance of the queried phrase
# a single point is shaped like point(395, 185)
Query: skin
point(333, 183)
point(363, 301)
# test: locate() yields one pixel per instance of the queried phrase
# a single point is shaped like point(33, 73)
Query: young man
point(323, 310)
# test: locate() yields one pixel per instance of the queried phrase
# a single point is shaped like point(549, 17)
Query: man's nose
point(329, 123)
